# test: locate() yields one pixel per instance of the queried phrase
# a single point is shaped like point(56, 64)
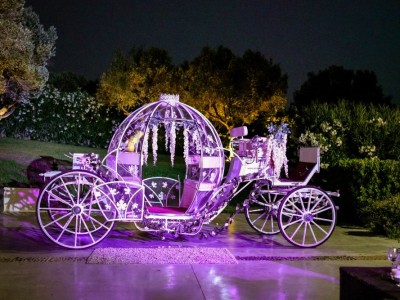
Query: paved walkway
point(31, 267)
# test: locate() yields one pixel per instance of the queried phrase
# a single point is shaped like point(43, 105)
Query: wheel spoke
point(57, 220)
point(265, 222)
point(319, 227)
point(92, 210)
point(316, 204)
point(291, 223)
point(293, 204)
point(54, 209)
point(57, 198)
point(65, 188)
point(312, 232)
point(321, 210)
point(309, 200)
point(78, 189)
point(65, 227)
point(323, 219)
point(297, 229)
point(304, 233)
point(88, 231)
point(259, 217)
point(300, 199)
point(291, 215)
point(256, 210)
point(77, 229)
point(96, 221)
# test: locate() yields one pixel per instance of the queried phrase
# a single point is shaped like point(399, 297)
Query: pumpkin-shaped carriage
point(77, 208)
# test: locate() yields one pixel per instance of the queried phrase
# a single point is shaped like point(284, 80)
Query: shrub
point(384, 217)
point(362, 182)
point(64, 117)
point(348, 130)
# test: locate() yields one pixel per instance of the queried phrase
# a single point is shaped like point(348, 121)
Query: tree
point(232, 90)
point(229, 90)
point(136, 78)
point(337, 83)
point(25, 49)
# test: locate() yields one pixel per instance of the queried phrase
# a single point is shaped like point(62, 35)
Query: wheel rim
point(262, 211)
point(68, 212)
point(307, 217)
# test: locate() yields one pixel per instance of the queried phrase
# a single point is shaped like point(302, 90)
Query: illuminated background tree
point(25, 49)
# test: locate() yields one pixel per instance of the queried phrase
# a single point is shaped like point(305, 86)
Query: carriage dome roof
point(169, 117)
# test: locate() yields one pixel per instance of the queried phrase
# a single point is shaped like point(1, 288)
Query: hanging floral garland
point(196, 141)
point(268, 155)
point(186, 144)
point(154, 143)
point(166, 125)
point(172, 142)
point(276, 150)
point(278, 157)
point(145, 147)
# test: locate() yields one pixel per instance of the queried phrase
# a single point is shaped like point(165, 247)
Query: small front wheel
point(307, 217)
point(262, 210)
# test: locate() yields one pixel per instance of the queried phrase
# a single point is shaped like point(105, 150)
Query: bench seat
point(166, 209)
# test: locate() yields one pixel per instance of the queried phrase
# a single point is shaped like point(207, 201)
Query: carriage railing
point(120, 200)
point(162, 191)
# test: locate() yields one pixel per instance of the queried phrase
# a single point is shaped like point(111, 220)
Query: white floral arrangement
point(276, 149)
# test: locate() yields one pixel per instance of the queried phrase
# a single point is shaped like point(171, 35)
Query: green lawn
point(20, 157)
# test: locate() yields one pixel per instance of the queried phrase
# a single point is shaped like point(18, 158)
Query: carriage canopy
point(163, 123)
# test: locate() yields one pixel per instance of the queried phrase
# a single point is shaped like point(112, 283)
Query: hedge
point(364, 184)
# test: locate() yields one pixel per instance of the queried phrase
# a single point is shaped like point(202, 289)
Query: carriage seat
point(308, 165)
point(189, 192)
point(195, 192)
point(192, 192)
point(239, 132)
point(166, 209)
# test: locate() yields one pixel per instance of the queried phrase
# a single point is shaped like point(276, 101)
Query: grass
point(26, 151)
point(18, 156)
point(12, 172)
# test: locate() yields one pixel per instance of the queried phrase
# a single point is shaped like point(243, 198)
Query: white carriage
point(77, 208)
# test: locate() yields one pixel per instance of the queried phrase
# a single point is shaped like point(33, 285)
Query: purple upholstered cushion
point(166, 210)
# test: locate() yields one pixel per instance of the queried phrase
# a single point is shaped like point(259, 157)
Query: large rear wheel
point(68, 212)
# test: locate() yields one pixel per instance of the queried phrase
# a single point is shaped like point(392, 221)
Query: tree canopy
point(136, 78)
point(25, 49)
point(234, 90)
point(336, 83)
point(230, 90)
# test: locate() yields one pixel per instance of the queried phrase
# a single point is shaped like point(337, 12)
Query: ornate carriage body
point(76, 209)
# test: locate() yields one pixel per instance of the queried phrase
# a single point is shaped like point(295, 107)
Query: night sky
point(301, 36)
